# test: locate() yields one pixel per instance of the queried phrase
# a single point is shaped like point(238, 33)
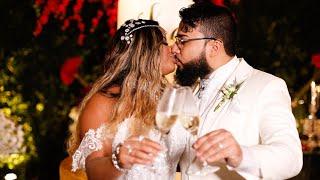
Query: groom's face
point(190, 56)
point(187, 74)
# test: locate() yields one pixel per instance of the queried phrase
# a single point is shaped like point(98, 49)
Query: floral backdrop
point(51, 50)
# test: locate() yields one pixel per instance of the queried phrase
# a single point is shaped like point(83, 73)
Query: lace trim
point(175, 142)
point(91, 142)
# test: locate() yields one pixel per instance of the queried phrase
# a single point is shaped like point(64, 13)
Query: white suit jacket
point(260, 118)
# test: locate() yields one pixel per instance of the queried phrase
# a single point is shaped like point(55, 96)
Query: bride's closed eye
point(164, 42)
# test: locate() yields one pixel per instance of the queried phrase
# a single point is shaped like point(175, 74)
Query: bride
point(116, 136)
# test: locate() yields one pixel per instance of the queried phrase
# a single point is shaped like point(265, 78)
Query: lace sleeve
point(91, 142)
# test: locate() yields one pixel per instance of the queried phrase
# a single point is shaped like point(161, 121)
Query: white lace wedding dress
point(175, 142)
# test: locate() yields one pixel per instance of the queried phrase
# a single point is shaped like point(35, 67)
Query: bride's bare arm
point(99, 164)
point(96, 113)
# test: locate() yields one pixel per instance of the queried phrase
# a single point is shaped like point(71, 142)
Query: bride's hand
point(138, 150)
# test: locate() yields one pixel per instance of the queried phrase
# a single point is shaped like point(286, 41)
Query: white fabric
point(213, 83)
point(92, 141)
point(260, 118)
point(175, 142)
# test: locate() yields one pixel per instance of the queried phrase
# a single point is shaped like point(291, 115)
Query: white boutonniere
point(228, 92)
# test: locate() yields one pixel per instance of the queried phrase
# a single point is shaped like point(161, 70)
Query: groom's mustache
point(181, 64)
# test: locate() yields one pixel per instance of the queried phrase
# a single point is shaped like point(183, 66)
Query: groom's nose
point(175, 49)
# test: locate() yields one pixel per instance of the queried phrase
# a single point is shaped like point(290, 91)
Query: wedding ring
point(129, 149)
point(140, 138)
point(204, 163)
point(220, 145)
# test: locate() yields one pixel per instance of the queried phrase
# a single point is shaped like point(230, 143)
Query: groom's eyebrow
point(181, 35)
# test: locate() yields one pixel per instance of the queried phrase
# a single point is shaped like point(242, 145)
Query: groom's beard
point(188, 74)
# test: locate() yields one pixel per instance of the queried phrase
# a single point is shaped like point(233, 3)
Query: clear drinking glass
point(189, 118)
point(169, 107)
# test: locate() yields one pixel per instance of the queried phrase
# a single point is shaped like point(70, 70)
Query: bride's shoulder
point(96, 112)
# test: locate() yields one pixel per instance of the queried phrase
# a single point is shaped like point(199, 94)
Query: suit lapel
point(211, 117)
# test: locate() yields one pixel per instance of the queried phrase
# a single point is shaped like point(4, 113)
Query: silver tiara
point(133, 25)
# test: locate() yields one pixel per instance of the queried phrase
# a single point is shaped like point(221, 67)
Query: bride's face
point(167, 64)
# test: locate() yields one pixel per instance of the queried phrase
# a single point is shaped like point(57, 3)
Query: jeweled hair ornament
point(133, 25)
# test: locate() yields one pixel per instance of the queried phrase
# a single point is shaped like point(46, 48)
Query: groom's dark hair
point(213, 21)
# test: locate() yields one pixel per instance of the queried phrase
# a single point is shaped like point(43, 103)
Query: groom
point(246, 119)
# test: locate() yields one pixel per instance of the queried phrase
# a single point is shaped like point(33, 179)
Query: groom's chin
point(184, 78)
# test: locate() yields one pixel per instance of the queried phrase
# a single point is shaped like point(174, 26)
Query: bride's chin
point(166, 72)
point(168, 68)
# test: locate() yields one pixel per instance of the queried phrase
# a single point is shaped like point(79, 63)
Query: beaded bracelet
point(115, 160)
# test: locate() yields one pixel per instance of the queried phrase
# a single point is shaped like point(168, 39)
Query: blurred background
point(52, 50)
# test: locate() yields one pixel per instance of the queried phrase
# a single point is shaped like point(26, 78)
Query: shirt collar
point(224, 71)
point(219, 75)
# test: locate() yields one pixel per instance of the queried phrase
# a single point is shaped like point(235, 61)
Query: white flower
point(11, 137)
point(228, 92)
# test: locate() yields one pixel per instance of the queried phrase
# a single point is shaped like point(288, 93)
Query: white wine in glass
point(189, 118)
point(190, 123)
point(164, 122)
point(169, 106)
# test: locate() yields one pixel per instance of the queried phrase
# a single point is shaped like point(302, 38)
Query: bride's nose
point(174, 49)
point(172, 54)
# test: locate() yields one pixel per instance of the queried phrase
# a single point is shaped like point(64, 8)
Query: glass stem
point(192, 139)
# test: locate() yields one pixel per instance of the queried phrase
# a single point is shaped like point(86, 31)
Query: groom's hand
point(219, 145)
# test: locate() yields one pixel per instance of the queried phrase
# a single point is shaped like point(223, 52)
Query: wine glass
point(189, 118)
point(168, 109)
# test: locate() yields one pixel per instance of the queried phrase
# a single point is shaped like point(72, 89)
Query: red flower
point(66, 24)
point(81, 38)
point(60, 10)
point(38, 29)
point(99, 13)
point(38, 2)
point(81, 26)
point(112, 32)
point(106, 2)
point(77, 17)
point(315, 59)
point(69, 69)
point(218, 2)
point(43, 19)
point(94, 22)
point(78, 6)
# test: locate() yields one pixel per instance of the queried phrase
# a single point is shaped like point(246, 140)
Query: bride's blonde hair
point(135, 68)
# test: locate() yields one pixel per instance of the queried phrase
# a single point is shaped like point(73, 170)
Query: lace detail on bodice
point(175, 142)
point(91, 142)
